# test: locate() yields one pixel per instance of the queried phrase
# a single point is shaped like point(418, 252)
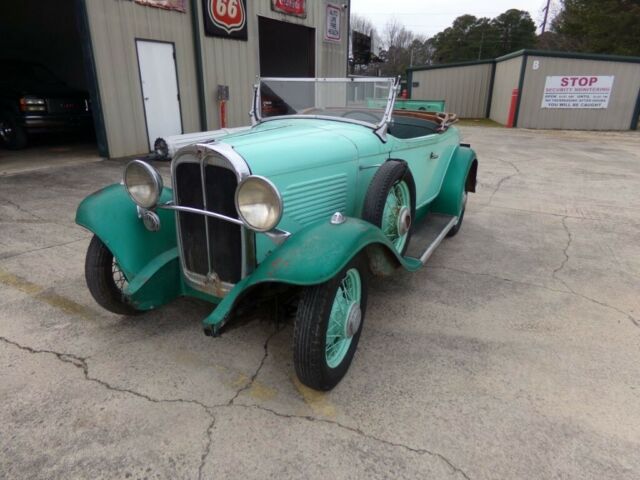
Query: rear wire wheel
point(105, 279)
point(328, 325)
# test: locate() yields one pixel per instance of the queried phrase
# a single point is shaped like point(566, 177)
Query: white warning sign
point(584, 91)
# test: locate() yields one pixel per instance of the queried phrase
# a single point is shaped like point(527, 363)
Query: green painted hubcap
point(344, 319)
point(394, 216)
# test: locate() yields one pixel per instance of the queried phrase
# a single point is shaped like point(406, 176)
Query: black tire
point(389, 174)
point(12, 135)
point(99, 274)
point(310, 330)
point(456, 228)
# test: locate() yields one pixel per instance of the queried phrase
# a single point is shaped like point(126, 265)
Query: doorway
point(50, 109)
point(160, 92)
point(286, 49)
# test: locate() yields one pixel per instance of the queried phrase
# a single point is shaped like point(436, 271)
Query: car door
point(428, 158)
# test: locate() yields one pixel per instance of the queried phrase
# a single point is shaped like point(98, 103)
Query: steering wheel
point(360, 112)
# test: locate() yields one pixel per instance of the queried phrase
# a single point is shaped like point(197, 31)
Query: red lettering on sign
point(229, 15)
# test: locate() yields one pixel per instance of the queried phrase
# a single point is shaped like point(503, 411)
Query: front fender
point(449, 200)
point(314, 255)
point(149, 260)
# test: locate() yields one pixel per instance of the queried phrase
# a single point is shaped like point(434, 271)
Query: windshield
point(363, 100)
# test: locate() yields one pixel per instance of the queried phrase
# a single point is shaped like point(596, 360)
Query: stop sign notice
point(577, 91)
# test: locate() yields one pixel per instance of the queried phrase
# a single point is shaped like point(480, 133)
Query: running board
point(431, 231)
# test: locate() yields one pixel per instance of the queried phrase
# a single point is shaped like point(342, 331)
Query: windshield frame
point(380, 128)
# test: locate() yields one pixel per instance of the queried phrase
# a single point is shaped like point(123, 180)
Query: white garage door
point(159, 79)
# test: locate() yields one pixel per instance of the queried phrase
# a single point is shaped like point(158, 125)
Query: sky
point(428, 17)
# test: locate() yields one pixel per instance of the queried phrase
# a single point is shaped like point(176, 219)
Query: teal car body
point(322, 169)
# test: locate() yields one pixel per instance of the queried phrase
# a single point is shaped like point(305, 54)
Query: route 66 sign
point(225, 18)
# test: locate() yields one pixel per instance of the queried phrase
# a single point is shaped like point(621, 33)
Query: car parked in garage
point(33, 100)
point(310, 200)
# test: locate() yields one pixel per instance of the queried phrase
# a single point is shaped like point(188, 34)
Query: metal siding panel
point(236, 63)
point(462, 88)
point(506, 79)
point(114, 26)
point(621, 103)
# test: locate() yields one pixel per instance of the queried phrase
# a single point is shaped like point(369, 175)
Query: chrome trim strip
point(171, 206)
point(203, 184)
point(432, 248)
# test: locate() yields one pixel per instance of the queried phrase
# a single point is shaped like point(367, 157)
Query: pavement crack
point(6, 257)
point(564, 252)
point(503, 179)
point(207, 449)
point(568, 291)
point(357, 431)
point(81, 363)
point(249, 384)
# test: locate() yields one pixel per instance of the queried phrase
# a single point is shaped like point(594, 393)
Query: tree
point(600, 26)
point(515, 30)
point(472, 38)
point(401, 49)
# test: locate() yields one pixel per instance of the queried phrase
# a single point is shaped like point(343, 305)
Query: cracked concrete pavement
point(512, 355)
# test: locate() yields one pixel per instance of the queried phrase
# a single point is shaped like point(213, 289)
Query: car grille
point(210, 247)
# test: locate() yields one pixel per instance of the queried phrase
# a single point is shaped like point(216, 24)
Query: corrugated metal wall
point(234, 63)
point(115, 24)
point(465, 89)
point(621, 102)
point(506, 79)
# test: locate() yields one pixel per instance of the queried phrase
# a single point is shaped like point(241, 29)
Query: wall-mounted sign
point(332, 25)
point(225, 18)
point(290, 7)
point(578, 91)
point(166, 4)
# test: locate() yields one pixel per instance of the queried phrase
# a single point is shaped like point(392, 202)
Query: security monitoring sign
point(585, 91)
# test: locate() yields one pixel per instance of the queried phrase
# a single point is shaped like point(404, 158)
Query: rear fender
point(312, 256)
point(462, 168)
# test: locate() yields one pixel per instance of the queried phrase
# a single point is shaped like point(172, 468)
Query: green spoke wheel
point(390, 203)
point(398, 201)
point(346, 307)
point(328, 325)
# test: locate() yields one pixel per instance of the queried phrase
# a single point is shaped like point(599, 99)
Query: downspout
point(197, 47)
point(348, 34)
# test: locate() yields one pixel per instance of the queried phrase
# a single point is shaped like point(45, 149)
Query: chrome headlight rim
point(156, 182)
point(277, 196)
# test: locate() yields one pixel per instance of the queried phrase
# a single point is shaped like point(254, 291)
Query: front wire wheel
point(105, 279)
point(328, 325)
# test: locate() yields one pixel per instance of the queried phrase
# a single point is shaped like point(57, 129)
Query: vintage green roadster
point(318, 194)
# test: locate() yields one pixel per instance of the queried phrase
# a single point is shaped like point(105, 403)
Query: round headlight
point(258, 203)
point(143, 183)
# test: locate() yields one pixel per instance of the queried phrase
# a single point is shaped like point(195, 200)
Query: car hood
point(287, 145)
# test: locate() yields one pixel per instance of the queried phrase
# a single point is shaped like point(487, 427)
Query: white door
point(159, 89)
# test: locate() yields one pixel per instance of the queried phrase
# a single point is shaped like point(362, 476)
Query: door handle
point(434, 155)
point(146, 98)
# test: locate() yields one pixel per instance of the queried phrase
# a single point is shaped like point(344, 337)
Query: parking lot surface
point(513, 354)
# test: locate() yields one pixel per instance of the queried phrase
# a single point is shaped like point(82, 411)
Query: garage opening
point(49, 110)
point(286, 49)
